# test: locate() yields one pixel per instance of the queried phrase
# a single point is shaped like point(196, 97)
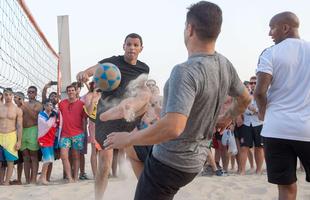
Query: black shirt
point(109, 99)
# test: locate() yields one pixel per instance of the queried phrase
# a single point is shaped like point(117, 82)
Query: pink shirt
point(73, 116)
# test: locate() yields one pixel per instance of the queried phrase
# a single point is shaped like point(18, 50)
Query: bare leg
point(82, 164)
point(115, 162)
point(27, 165)
point(287, 192)
point(9, 173)
point(251, 159)
point(64, 154)
point(259, 159)
point(2, 173)
point(49, 172)
point(217, 154)
point(243, 158)
point(211, 160)
point(104, 166)
point(136, 164)
point(224, 156)
point(43, 177)
point(121, 158)
point(232, 161)
point(128, 108)
point(34, 166)
point(113, 113)
point(76, 163)
point(20, 167)
point(93, 159)
point(238, 155)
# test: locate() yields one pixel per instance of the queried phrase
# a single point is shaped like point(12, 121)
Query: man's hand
point(48, 85)
point(18, 145)
point(117, 140)
point(82, 77)
point(91, 139)
point(222, 123)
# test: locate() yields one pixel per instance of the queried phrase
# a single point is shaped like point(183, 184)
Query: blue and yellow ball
point(107, 77)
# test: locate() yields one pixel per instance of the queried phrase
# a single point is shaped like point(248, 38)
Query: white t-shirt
point(288, 98)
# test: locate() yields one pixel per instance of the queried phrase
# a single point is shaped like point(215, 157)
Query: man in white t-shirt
point(283, 98)
point(250, 134)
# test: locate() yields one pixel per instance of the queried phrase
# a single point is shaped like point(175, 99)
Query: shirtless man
point(10, 123)
point(30, 144)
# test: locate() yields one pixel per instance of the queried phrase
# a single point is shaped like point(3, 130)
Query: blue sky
point(98, 27)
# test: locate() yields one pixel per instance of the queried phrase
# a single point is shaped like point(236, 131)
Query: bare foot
point(15, 182)
point(242, 173)
point(42, 182)
point(70, 180)
point(6, 183)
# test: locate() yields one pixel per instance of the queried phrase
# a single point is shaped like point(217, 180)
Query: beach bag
point(228, 139)
point(225, 137)
point(232, 146)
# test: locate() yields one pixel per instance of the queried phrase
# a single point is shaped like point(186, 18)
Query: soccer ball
point(107, 77)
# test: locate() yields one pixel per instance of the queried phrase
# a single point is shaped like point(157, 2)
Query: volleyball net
point(26, 56)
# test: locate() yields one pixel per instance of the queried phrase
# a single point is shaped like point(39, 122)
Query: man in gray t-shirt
point(193, 96)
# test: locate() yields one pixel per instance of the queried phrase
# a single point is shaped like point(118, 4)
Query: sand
point(248, 187)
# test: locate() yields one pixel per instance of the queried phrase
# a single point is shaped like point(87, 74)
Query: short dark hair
point(7, 90)
point(47, 101)
point(134, 35)
point(246, 83)
point(253, 77)
point(70, 86)
point(206, 19)
point(77, 84)
point(52, 93)
point(20, 95)
point(33, 87)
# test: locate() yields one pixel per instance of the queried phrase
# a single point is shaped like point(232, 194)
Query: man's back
point(197, 89)
point(288, 106)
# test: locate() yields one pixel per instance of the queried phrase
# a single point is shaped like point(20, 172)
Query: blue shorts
point(75, 142)
point(47, 154)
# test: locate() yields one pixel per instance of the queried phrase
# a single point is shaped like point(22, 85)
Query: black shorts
point(143, 152)
point(281, 159)
point(249, 135)
point(159, 181)
point(237, 131)
point(103, 129)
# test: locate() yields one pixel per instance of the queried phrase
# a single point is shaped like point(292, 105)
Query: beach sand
point(249, 187)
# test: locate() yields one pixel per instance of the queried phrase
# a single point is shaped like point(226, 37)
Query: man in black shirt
point(130, 68)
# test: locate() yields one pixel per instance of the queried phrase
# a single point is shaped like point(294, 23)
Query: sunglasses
point(252, 83)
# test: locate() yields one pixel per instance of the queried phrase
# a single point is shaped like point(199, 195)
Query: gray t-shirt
point(197, 89)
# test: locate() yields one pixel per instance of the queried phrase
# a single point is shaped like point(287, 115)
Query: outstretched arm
point(167, 128)
point(83, 76)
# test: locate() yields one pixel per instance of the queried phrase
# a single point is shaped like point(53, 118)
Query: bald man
point(284, 71)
